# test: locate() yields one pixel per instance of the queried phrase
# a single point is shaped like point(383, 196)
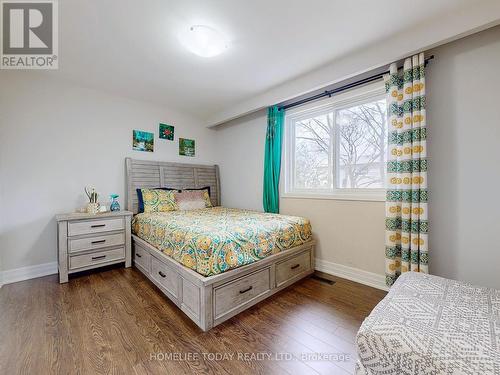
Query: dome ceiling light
point(203, 41)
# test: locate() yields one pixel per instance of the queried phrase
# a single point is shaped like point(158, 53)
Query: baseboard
point(350, 273)
point(26, 273)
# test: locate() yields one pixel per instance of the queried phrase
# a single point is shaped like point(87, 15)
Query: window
point(337, 148)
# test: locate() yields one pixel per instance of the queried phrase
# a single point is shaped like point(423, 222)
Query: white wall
point(240, 155)
point(464, 127)
point(463, 88)
point(55, 139)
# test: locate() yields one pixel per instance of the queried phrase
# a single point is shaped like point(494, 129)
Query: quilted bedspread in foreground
point(431, 325)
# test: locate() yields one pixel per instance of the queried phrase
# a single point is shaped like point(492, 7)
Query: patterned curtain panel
point(406, 202)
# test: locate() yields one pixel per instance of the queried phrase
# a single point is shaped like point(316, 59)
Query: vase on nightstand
point(92, 208)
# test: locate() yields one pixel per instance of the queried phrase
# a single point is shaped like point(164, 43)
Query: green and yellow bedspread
point(214, 240)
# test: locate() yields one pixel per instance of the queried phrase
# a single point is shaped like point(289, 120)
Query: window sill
point(368, 197)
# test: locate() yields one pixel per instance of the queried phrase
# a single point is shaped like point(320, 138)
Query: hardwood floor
point(118, 322)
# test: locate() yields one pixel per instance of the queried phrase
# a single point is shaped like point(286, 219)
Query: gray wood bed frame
point(208, 301)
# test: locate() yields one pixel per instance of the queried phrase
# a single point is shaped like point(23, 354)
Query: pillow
point(206, 197)
point(158, 200)
point(192, 199)
point(140, 200)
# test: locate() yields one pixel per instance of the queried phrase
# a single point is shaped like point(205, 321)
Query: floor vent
point(323, 280)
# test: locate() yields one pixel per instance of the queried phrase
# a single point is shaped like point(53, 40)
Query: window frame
point(375, 91)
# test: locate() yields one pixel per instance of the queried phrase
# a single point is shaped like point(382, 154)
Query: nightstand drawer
point(95, 242)
point(95, 226)
point(87, 260)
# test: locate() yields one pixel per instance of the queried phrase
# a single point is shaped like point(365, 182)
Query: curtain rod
point(351, 85)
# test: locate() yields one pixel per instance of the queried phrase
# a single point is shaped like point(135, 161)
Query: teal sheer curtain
point(272, 160)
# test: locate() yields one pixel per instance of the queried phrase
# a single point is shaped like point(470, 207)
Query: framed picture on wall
point(142, 141)
point(186, 147)
point(166, 132)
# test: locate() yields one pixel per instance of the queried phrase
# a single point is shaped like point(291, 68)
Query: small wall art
point(166, 132)
point(186, 147)
point(142, 141)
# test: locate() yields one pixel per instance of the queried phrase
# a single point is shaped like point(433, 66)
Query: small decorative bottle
point(114, 206)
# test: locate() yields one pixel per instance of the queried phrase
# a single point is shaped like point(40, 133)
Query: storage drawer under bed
point(236, 294)
point(165, 276)
point(142, 258)
point(293, 267)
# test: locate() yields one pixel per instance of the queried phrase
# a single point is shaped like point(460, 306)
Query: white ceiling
point(129, 47)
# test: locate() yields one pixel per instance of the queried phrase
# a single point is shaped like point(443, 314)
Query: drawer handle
point(96, 242)
point(138, 255)
point(161, 274)
point(296, 266)
point(99, 257)
point(98, 225)
point(246, 290)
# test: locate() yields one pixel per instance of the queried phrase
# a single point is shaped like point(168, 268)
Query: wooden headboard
point(153, 174)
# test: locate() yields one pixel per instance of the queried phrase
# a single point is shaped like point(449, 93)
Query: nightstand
point(90, 241)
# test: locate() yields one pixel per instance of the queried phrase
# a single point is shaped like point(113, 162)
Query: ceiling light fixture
point(203, 41)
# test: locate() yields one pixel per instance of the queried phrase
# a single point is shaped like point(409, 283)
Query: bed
point(215, 262)
point(215, 240)
point(431, 325)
